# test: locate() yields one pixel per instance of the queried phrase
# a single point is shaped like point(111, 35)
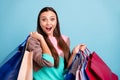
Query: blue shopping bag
point(10, 68)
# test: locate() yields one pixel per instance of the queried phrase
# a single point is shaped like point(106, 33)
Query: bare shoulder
point(66, 39)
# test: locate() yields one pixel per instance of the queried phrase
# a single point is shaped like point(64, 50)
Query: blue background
point(93, 22)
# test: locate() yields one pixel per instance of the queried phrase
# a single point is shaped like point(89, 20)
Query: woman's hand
point(44, 46)
point(36, 35)
point(81, 47)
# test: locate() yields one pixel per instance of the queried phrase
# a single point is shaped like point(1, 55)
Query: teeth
point(49, 28)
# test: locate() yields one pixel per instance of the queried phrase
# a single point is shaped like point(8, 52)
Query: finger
point(83, 44)
point(31, 33)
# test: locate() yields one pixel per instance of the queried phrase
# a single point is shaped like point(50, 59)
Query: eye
point(52, 19)
point(43, 19)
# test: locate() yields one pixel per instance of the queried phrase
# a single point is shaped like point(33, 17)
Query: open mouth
point(48, 29)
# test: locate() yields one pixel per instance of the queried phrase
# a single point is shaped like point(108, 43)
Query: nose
point(48, 22)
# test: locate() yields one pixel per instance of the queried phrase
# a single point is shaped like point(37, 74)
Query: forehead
point(48, 14)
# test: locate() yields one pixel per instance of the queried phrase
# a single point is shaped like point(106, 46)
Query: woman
point(51, 49)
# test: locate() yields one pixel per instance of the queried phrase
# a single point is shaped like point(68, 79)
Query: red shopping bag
point(97, 69)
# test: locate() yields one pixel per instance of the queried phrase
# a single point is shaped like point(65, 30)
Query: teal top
point(50, 73)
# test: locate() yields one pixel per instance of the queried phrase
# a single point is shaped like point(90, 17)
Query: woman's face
point(48, 22)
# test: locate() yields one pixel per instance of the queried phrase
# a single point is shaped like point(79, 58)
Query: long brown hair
point(57, 34)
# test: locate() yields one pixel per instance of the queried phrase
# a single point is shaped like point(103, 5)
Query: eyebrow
point(50, 16)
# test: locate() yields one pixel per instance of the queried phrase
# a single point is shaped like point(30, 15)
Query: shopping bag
point(74, 68)
point(82, 71)
point(97, 69)
point(25, 72)
point(9, 70)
